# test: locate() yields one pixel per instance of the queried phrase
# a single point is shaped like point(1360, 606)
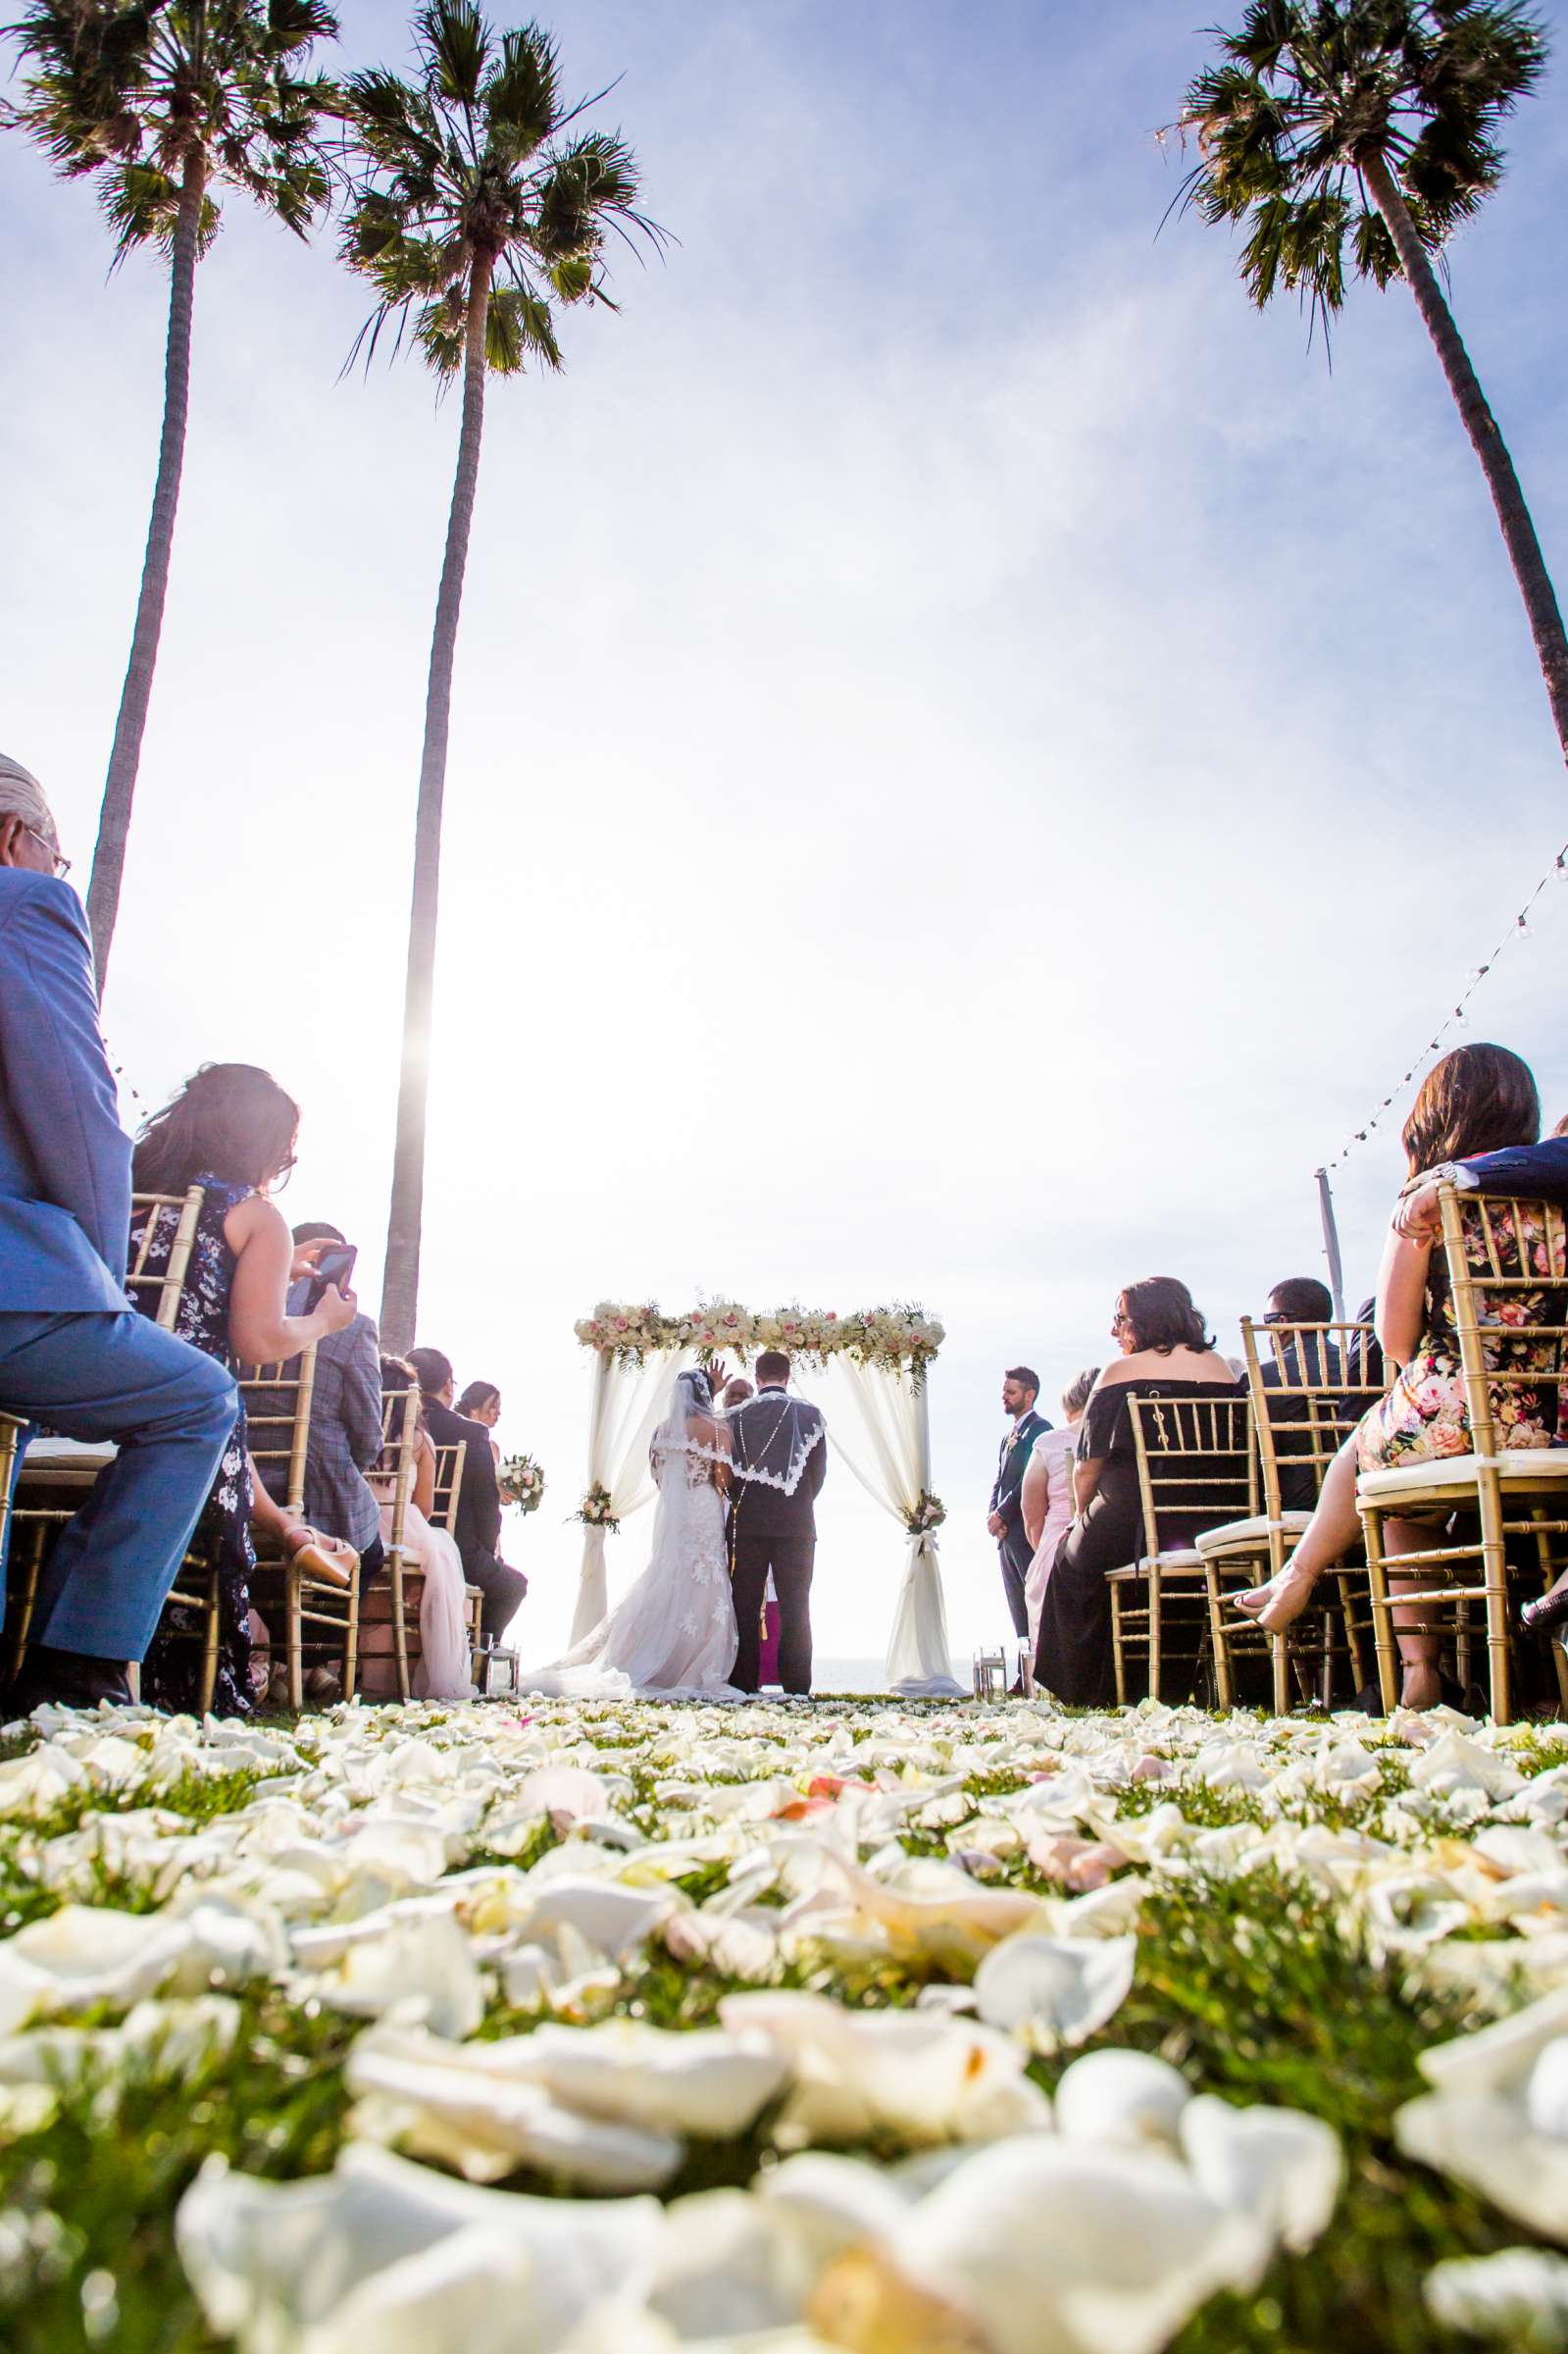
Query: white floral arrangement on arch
point(926, 1516)
point(595, 1510)
point(894, 1337)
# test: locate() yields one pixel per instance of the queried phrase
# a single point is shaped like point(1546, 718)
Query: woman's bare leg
point(1327, 1538)
point(1418, 1652)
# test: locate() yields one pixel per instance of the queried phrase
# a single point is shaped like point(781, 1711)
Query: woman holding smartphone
point(232, 1130)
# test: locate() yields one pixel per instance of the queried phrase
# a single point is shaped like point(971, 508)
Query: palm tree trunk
point(401, 1280)
point(119, 786)
point(1518, 530)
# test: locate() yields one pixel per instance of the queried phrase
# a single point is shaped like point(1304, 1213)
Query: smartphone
point(334, 1266)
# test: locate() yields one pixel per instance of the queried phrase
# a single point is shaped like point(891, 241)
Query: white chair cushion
point(1248, 1534)
point(1518, 1466)
point(1180, 1557)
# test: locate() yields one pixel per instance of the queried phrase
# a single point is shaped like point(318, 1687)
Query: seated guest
point(1527, 1171)
point(1165, 1354)
point(478, 1502)
point(1299, 1300)
point(232, 1130)
point(481, 1402)
point(1046, 1495)
point(1478, 1101)
point(443, 1673)
point(74, 1353)
point(346, 1423)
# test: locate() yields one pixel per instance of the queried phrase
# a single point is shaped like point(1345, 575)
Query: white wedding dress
point(673, 1636)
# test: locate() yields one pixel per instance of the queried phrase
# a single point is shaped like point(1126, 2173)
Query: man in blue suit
point(74, 1353)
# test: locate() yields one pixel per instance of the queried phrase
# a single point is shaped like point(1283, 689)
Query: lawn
point(782, 2027)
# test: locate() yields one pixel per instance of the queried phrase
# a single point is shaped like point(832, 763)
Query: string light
point(1520, 933)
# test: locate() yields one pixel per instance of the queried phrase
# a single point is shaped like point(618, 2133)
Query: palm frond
point(455, 40)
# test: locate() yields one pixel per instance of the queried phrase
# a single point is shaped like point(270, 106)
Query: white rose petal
point(1519, 2297)
point(1280, 2165)
point(1121, 2097)
point(1054, 1991)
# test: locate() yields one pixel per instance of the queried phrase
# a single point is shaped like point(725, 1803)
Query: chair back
point(277, 1400)
point(1507, 1271)
point(449, 1461)
point(1196, 1466)
point(152, 1215)
point(10, 1446)
point(393, 1468)
point(1311, 1384)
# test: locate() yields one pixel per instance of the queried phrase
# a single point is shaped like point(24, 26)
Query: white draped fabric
point(885, 1438)
point(627, 1400)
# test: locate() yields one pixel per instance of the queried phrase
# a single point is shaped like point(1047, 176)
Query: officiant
point(1020, 1388)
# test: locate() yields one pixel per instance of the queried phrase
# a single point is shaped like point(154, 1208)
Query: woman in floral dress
point(232, 1130)
point(1480, 1099)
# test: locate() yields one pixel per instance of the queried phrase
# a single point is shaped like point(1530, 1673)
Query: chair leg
point(209, 1646)
point(1219, 1639)
point(1117, 1647)
point(1495, 1566)
point(293, 1638)
point(351, 1640)
point(1381, 1615)
point(1353, 1633)
point(399, 1623)
point(1156, 1635)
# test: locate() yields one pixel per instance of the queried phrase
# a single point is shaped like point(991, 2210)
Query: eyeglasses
point(62, 865)
point(1121, 1323)
point(1276, 1315)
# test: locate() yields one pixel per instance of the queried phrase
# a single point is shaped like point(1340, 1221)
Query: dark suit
point(1531, 1172)
point(772, 1531)
point(478, 1531)
point(74, 1353)
point(1013, 1546)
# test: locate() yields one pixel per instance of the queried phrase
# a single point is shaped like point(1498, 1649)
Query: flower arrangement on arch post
point(594, 1511)
point(925, 1515)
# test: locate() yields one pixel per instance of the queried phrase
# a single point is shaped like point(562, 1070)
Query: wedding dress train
point(673, 1636)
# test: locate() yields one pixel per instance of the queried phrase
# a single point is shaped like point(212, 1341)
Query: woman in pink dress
point(1046, 1495)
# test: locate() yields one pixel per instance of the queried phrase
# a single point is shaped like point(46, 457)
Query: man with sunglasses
point(1299, 1300)
point(74, 1354)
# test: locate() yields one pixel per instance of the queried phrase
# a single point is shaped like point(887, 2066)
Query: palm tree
point(474, 218)
point(1374, 122)
point(163, 103)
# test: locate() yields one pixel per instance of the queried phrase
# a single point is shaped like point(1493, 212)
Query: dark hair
point(1023, 1373)
point(431, 1370)
point(1076, 1396)
point(1162, 1316)
point(773, 1366)
point(701, 1381)
point(1479, 1098)
point(478, 1393)
point(317, 1230)
point(1303, 1300)
point(228, 1120)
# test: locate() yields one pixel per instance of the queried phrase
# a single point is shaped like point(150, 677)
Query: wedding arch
point(876, 1362)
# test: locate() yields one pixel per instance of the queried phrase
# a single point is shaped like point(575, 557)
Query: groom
point(778, 1464)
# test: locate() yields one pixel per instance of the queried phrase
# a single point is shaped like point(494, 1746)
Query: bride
point(674, 1635)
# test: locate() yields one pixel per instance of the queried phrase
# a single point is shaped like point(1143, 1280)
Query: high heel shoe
point(1545, 1615)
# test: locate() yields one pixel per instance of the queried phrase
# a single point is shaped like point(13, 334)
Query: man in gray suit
point(345, 1425)
point(74, 1353)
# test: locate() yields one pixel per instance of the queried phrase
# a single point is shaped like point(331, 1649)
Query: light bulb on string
point(1521, 929)
point(1559, 869)
point(1461, 1018)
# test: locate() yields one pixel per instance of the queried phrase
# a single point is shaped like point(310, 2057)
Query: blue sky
point(976, 758)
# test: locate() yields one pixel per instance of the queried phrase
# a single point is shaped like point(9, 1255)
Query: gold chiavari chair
point(449, 1462)
point(1513, 1255)
point(316, 1589)
point(1318, 1381)
point(56, 1474)
point(1195, 1463)
point(393, 1475)
point(10, 1445)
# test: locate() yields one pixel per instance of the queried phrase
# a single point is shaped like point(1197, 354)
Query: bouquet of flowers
point(521, 1481)
point(595, 1509)
point(928, 1514)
